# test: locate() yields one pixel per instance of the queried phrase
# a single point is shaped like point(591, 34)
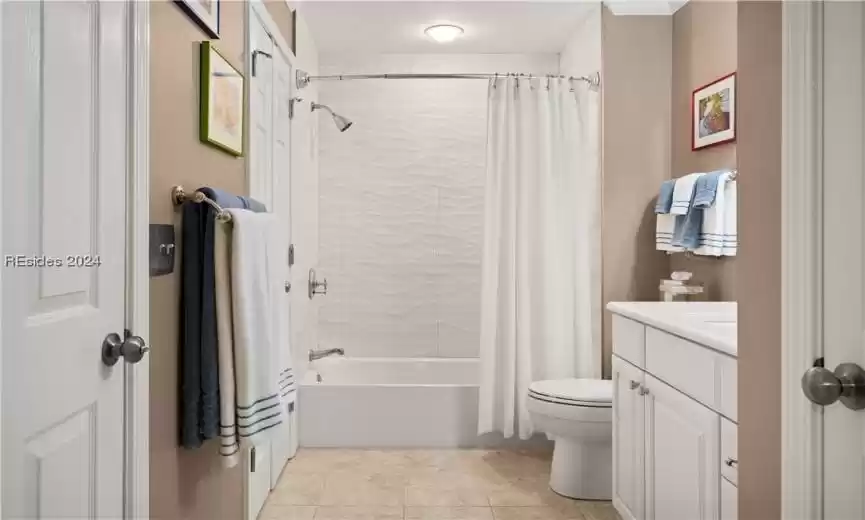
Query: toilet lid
point(590, 391)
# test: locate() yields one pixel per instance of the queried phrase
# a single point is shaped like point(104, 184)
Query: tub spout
point(318, 354)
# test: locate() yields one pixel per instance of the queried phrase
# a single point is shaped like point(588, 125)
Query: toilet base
point(582, 470)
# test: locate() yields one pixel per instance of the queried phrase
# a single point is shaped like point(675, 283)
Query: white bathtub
point(391, 403)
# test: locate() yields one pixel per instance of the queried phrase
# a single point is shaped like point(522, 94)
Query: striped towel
point(718, 236)
point(261, 380)
point(664, 228)
point(683, 193)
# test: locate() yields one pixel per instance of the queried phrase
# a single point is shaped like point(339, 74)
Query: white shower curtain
point(540, 299)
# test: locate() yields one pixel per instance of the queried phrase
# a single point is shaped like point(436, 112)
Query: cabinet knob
point(643, 391)
point(634, 384)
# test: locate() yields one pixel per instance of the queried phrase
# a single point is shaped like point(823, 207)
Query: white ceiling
point(397, 26)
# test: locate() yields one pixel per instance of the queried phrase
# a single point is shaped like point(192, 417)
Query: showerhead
point(342, 123)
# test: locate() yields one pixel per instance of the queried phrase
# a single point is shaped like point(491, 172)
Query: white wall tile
point(401, 204)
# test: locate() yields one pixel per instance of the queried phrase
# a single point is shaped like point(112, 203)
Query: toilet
point(577, 414)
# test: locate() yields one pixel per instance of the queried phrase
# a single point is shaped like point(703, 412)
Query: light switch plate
point(163, 249)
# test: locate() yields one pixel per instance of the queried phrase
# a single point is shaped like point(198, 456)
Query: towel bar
point(180, 195)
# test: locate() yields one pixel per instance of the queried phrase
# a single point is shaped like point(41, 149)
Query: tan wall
point(637, 72)
point(281, 14)
point(758, 274)
point(184, 484)
point(704, 49)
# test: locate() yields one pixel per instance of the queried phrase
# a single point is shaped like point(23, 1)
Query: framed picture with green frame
point(221, 110)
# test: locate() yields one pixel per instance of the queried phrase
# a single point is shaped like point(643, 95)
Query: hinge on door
point(252, 460)
point(291, 255)
point(255, 55)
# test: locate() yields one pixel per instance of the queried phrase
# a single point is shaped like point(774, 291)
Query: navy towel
point(199, 370)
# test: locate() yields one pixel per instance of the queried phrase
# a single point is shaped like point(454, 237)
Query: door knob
point(132, 349)
point(846, 383)
point(287, 286)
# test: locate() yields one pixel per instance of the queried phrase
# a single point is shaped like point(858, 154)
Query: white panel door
point(261, 188)
point(628, 440)
point(682, 452)
point(281, 447)
point(64, 191)
point(844, 249)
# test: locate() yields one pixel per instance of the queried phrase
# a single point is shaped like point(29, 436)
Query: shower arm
point(315, 106)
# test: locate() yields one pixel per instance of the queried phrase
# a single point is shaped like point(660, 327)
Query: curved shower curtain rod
point(303, 79)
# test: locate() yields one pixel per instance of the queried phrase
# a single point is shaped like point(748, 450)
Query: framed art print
point(221, 110)
point(205, 13)
point(713, 113)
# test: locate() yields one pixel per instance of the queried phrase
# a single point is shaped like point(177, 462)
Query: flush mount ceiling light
point(444, 33)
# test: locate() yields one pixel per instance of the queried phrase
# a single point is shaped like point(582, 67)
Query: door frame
point(802, 230)
point(136, 420)
point(137, 377)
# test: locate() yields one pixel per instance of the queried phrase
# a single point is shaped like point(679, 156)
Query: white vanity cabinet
point(673, 423)
point(628, 441)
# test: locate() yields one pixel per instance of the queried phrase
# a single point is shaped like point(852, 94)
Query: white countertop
point(712, 324)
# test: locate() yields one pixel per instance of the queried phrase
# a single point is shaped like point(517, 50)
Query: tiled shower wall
point(401, 202)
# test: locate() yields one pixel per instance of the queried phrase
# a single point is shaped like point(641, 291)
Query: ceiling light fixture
point(444, 33)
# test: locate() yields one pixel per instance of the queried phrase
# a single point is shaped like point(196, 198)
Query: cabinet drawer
point(728, 368)
point(730, 451)
point(686, 366)
point(629, 340)
point(729, 501)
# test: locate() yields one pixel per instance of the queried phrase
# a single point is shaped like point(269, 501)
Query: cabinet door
point(628, 443)
point(682, 451)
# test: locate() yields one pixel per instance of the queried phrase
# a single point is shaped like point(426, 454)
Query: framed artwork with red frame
point(713, 113)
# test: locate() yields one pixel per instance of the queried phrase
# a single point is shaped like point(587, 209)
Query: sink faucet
point(318, 354)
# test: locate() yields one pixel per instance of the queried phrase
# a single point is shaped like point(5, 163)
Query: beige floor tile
point(362, 491)
point(298, 489)
point(358, 513)
point(534, 513)
point(525, 492)
point(281, 512)
point(323, 460)
point(445, 496)
point(448, 513)
point(601, 511)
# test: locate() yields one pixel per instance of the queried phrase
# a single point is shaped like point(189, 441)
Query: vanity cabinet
point(628, 440)
point(682, 444)
point(672, 426)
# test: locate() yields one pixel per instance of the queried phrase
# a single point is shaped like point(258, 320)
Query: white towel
point(230, 444)
point(664, 225)
point(718, 236)
point(256, 283)
point(683, 191)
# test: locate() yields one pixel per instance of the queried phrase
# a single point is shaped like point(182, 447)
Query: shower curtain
point(540, 299)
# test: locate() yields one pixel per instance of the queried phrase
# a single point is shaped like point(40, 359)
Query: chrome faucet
point(318, 354)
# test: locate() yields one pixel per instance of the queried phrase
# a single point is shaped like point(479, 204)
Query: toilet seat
point(589, 393)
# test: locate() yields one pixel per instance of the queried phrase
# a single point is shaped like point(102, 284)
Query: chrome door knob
point(847, 384)
point(132, 349)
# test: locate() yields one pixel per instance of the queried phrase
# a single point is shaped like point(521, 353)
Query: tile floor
point(339, 484)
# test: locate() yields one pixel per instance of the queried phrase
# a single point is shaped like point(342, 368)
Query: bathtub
point(391, 403)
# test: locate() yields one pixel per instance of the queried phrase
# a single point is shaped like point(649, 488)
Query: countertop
point(712, 324)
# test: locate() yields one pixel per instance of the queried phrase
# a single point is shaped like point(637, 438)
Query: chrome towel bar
point(180, 195)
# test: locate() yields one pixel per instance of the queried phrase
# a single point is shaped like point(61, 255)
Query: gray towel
point(199, 369)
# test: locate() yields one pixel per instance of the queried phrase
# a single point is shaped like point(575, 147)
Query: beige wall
point(758, 274)
point(637, 72)
point(704, 49)
point(184, 484)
